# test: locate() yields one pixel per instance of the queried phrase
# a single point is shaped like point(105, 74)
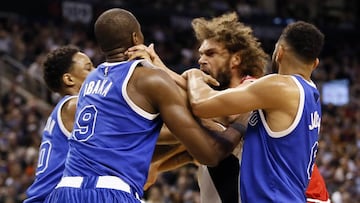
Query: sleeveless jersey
point(277, 166)
point(112, 135)
point(220, 184)
point(52, 154)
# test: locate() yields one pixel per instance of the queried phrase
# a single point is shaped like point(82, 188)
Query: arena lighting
point(336, 92)
point(282, 21)
point(277, 21)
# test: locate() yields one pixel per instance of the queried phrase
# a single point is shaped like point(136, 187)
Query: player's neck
point(301, 71)
point(116, 55)
point(69, 91)
point(236, 81)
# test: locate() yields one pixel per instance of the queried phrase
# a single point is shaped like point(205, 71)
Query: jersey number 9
point(85, 123)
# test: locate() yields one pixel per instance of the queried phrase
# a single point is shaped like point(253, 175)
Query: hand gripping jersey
point(52, 154)
point(220, 184)
point(277, 166)
point(112, 136)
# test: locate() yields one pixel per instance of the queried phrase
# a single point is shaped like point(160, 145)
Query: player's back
point(52, 154)
point(111, 133)
point(279, 164)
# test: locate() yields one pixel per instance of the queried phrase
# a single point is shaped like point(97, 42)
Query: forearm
point(176, 77)
point(211, 147)
point(176, 161)
point(166, 137)
point(199, 94)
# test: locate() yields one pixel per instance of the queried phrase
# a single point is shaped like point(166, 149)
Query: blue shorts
point(88, 190)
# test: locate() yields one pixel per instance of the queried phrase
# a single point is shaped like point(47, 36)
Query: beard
point(224, 78)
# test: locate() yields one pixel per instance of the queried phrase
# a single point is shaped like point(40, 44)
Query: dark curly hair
point(235, 36)
point(305, 39)
point(57, 63)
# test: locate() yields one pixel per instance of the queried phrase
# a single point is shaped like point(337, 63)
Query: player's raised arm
point(148, 53)
point(237, 100)
point(205, 147)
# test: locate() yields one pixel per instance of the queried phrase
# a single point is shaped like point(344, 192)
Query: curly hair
point(57, 63)
point(306, 40)
point(235, 36)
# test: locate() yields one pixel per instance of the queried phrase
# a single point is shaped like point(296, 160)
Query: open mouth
point(205, 70)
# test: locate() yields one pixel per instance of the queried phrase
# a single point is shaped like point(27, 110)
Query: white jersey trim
point(317, 200)
point(132, 105)
point(59, 119)
point(208, 191)
point(287, 131)
point(147, 64)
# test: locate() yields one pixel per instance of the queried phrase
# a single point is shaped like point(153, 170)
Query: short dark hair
point(56, 64)
point(306, 40)
point(114, 27)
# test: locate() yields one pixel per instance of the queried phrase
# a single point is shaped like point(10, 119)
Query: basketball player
point(121, 108)
point(232, 62)
point(220, 184)
point(282, 135)
point(230, 53)
point(65, 69)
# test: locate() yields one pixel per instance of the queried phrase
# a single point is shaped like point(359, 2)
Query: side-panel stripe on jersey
point(133, 106)
point(59, 119)
point(296, 120)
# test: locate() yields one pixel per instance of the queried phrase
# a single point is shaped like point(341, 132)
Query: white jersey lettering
point(315, 120)
point(49, 125)
point(101, 87)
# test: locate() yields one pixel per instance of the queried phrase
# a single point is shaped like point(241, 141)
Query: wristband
point(238, 127)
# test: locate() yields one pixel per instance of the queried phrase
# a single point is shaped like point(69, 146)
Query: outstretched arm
point(169, 157)
point(264, 93)
point(142, 51)
point(207, 147)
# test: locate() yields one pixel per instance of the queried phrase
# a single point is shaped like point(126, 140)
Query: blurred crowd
point(28, 40)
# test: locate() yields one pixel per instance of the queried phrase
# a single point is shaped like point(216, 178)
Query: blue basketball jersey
point(52, 154)
point(277, 166)
point(112, 135)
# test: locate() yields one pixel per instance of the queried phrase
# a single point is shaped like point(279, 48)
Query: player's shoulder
point(277, 82)
point(152, 76)
point(71, 103)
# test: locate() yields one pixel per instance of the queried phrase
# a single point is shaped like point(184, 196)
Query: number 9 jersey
point(112, 135)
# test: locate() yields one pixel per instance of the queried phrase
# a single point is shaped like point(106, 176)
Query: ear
point(235, 60)
point(316, 63)
point(135, 38)
point(67, 79)
point(279, 54)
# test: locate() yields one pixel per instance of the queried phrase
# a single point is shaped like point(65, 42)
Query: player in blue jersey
point(121, 108)
point(231, 54)
point(282, 135)
point(65, 69)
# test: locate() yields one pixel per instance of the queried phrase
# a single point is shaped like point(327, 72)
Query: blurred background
point(30, 29)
